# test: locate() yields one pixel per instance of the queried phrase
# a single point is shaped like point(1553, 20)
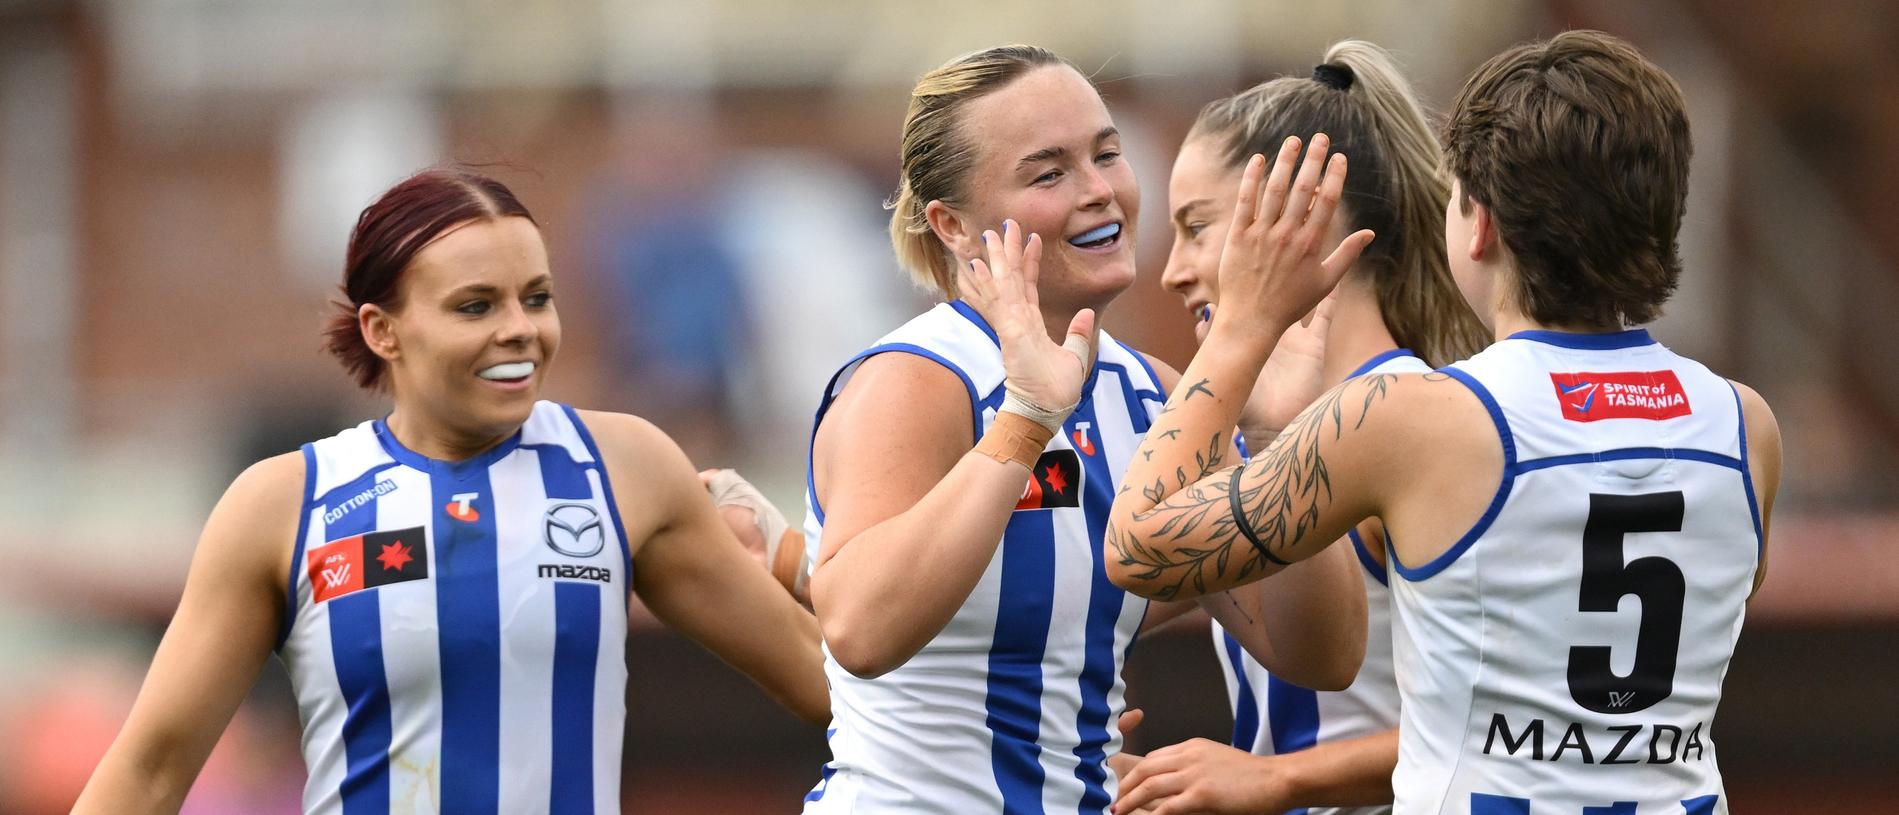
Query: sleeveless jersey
point(457, 630)
point(1272, 716)
point(1012, 707)
point(1565, 656)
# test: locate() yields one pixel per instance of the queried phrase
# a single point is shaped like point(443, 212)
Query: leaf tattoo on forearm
point(1191, 541)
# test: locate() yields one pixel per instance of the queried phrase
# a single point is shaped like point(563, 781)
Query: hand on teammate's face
point(1002, 288)
point(1271, 272)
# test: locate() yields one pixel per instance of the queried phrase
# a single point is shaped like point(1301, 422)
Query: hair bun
point(1333, 75)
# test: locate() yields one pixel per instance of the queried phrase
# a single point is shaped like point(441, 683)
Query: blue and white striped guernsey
point(457, 630)
point(1272, 716)
point(1012, 707)
point(1565, 655)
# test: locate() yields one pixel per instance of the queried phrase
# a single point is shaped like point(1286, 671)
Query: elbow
point(1120, 572)
point(1338, 675)
point(1335, 669)
point(860, 653)
point(1133, 578)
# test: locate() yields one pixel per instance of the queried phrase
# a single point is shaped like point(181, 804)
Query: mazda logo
point(574, 530)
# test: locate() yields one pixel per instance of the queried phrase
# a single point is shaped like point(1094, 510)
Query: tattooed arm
point(1305, 491)
point(1308, 629)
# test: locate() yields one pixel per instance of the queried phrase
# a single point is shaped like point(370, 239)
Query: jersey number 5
point(1606, 579)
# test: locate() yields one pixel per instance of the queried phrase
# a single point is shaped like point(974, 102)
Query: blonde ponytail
point(1358, 98)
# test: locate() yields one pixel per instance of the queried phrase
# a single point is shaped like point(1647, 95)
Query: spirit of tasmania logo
point(1586, 397)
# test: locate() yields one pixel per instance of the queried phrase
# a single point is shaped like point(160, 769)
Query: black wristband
point(1246, 527)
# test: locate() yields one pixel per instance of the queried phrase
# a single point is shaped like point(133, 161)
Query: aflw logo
point(334, 578)
point(1621, 698)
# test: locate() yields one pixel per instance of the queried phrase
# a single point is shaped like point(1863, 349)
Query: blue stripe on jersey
point(468, 626)
point(1378, 360)
point(825, 772)
point(1503, 487)
point(1152, 378)
point(1134, 394)
point(1747, 476)
point(1024, 606)
point(1700, 806)
point(606, 489)
point(1245, 706)
point(1627, 453)
point(1292, 716)
point(562, 478)
point(356, 649)
point(1617, 808)
point(1365, 559)
point(1632, 338)
point(296, 546)
point(576, 654)
point(1481, 804)
point(1104, 613)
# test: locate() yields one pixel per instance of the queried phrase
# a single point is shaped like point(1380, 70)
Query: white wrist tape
point(728, 488)
point(1050, 419)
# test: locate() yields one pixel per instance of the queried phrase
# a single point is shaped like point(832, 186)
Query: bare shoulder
point(1419, 411)
point(268, 491)
point(900, 390)
point(1763, 430)
point(900, 424)
point(652, 478)
point(255, 523)
point(625, 437)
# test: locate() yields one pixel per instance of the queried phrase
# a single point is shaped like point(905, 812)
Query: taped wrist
point(789, 563)
point(1051, 419)
point(1015, 437)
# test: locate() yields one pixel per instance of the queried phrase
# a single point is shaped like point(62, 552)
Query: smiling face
point(1047, 155)
point(474, 332)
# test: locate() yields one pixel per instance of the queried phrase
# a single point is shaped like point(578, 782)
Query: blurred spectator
point(676, 321)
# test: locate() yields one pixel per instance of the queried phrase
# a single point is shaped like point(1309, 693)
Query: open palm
point(1002, 288)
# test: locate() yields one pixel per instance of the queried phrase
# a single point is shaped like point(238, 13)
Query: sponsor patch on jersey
point(1587, 397)
point(1056, 482)
point(366, 561)
point(573, 529)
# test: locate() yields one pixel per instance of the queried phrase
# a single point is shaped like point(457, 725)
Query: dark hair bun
point(1333, 75)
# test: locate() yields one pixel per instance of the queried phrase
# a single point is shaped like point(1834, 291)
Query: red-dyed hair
point(386, 239)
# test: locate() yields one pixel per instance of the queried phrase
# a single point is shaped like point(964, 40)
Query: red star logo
point(1057, 481)
point(394, 556)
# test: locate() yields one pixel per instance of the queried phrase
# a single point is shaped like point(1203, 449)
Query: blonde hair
point(1359, 99)
point(936, 158)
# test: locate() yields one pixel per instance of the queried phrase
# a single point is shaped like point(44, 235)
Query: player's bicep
point(896, 430)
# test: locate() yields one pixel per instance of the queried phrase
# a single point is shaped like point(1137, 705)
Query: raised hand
point(1271, 267)
point(1001, 287)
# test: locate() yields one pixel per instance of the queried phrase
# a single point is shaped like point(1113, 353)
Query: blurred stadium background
point(178, 178)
